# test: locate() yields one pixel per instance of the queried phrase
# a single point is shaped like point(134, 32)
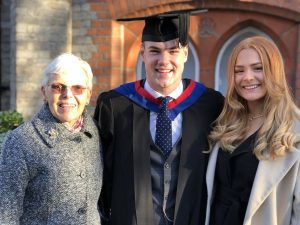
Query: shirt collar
point(174, 94)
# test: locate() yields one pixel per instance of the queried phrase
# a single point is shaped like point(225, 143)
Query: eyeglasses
point(60, 88)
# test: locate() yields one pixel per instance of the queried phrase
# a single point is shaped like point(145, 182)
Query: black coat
point(127, 191)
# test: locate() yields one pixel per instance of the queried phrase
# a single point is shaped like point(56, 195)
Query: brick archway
point(121, 39)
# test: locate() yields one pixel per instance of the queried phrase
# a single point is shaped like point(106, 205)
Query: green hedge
point(9, 120)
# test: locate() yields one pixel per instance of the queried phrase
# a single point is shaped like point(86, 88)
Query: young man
point(154, 171)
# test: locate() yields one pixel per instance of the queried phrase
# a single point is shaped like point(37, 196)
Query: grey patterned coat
point(49, 175)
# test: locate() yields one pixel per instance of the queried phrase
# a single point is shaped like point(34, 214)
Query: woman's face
point(67, 95)
point(249, 76)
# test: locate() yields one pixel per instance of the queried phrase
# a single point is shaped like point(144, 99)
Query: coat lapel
point(210, 175)
point(190, 161)
point(141, 162)
point(264, 182)
point(184, 170)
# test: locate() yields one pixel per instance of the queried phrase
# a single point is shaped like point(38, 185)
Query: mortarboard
point(166, 26)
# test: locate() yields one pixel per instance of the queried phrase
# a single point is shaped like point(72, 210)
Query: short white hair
point(66, 62)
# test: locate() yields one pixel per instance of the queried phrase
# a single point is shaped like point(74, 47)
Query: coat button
point(77, 139)
point(82, 175)
point(81, 211)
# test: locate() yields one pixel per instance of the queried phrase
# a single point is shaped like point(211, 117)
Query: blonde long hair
point(276, 137)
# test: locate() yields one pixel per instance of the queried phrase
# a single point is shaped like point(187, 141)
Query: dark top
point(234, 178)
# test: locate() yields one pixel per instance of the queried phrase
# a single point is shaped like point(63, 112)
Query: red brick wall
point(101, 34)
point(118, 43)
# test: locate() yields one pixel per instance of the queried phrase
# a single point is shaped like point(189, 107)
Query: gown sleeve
point(104, 118)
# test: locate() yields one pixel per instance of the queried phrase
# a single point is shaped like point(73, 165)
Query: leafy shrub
point(9, 120)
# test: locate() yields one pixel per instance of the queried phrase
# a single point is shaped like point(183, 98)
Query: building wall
point(39, 31)
point(5, 56)
point(83, 44)
point(209, 31)
point(33, 32)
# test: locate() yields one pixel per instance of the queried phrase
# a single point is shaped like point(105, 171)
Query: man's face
point(164, 64)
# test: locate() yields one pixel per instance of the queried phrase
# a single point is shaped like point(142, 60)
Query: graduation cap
point(166, 26)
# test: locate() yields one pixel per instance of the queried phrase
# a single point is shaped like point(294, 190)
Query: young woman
point(253, 175)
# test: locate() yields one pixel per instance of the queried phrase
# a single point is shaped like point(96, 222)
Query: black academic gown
point(126, 197)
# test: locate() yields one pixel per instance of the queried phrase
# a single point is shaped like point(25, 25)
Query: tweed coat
point(49, 175)
point(127, 191)
point(275, 194)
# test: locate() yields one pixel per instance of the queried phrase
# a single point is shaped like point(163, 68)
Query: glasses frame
point(58, 88)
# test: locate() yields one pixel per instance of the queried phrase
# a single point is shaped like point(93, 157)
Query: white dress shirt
point(176, 123)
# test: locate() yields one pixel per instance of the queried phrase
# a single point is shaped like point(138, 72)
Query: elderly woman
point(51, 167)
